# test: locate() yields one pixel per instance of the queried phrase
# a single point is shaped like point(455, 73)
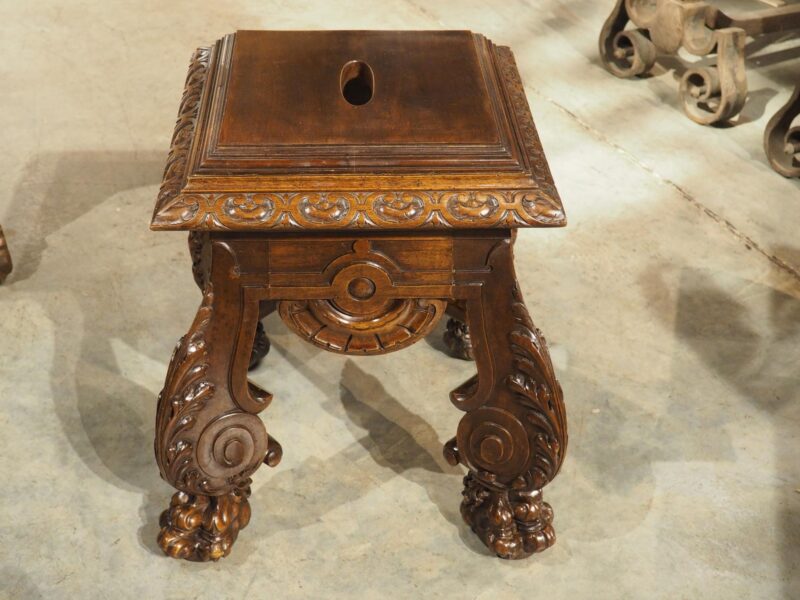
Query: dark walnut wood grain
point(393, 205)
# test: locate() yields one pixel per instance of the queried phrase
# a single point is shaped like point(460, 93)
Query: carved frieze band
point(377, 210)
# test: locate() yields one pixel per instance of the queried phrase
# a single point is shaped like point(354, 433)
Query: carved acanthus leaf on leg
point(514, 434)
point(207, 447)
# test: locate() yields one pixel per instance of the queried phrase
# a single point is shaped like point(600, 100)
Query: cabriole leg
point(209, 440)
point(514, 433)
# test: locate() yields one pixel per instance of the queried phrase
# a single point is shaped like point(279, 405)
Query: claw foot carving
point(201, 528)
point(513, 522)
point(458, 340)
point(260, 347)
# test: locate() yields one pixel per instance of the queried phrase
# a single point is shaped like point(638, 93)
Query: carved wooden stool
point(362, 184)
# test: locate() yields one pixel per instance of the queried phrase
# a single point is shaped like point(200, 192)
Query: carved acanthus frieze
point(548, 198)
point(360, 210)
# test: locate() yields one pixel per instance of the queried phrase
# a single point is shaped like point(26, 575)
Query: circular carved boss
point(494, 440)
point(362, 317)
point(232, 447)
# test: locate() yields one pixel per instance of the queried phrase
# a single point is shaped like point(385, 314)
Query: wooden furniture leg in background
point(456, 335)
point(514, 434)
point(209, 440)
point(782, 140)
point(5, 258)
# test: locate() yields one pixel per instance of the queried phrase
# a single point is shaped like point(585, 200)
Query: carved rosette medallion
point(362, 317)
point(474, 207)
point(323, 209)
point(408, 209)
point(252, 207)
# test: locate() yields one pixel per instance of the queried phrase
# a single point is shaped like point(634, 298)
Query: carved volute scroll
point(199, 451)
point(514, 435)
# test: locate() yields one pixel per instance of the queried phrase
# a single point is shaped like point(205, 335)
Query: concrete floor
point(672, 304)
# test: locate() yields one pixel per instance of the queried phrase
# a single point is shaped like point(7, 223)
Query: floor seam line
point(749, 242)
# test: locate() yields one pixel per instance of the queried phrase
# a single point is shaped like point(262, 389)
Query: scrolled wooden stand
point(709, 94)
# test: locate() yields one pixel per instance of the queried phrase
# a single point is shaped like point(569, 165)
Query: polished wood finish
point(428, 88)
point(361, 238)
point(5, 258)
